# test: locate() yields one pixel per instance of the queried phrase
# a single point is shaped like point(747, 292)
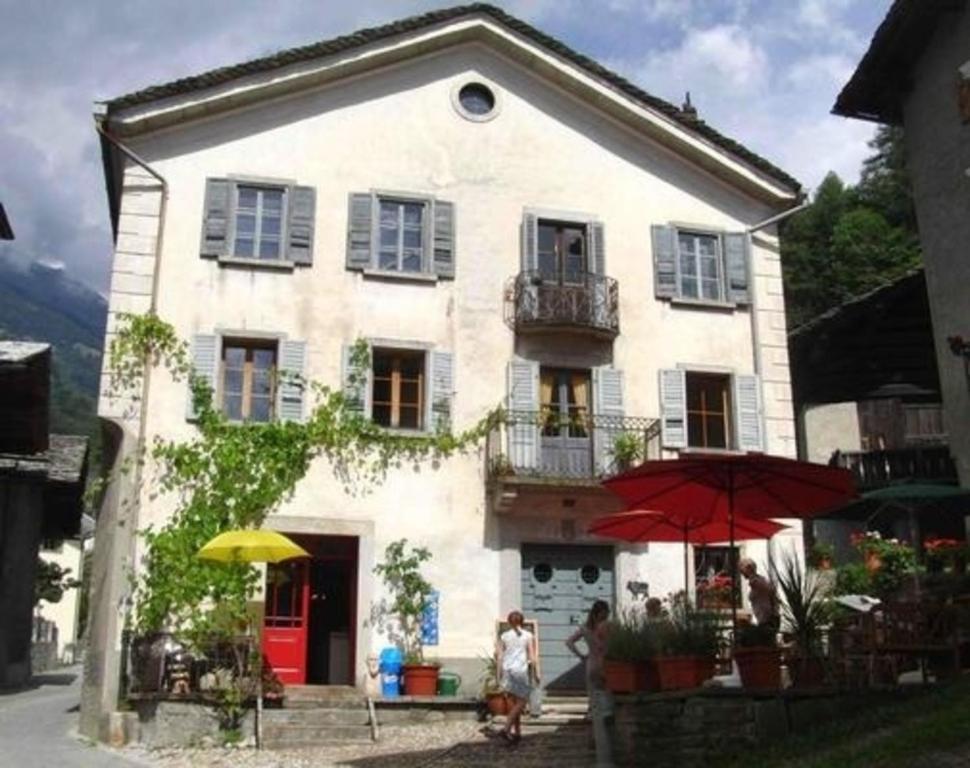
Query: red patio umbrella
point(728, 486)
point(655, 526)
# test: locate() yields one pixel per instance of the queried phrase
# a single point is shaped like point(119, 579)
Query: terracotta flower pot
point(620, 676)
point(759, 667)
point(497, 703)
point(647, 677)
point(678, 672)
point(420, 680)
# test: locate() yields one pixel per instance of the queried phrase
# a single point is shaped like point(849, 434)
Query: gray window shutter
point(597, 248)
point(356, 388)
point(205, 365)
point(299, 231)
point(607, 415)
point(523, 405)
point(443, 239)
point(747, 413)
point(442, 391)
point(664, 241)
point(736, 267)
point(673, 407)
point(359, 231)
point(530, 242)
point(216, 217)
point(291, 388)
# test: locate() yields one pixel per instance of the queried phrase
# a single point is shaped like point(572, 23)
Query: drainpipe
point(755, 336)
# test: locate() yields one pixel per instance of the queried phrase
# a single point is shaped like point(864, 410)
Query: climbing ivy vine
point(232, 475)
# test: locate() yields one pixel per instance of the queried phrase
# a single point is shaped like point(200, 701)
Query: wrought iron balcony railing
point(583, 301)
point(543, 445)
point(876, 469)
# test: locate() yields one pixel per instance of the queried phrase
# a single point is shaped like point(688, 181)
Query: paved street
point(37, 727)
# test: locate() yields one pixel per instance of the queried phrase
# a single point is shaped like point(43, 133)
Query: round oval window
point(476, 99)
point(590, 574)
point(542, 572)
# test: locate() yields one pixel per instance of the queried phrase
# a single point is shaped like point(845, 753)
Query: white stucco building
point(504, 222)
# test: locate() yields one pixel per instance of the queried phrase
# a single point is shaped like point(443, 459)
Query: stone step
point(276, 736)
point(317, 716)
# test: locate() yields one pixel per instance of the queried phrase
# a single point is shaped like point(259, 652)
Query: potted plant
point(686, 646)
point(496, 701)
point(409, 590)
point(890, 562)
point(714, 592)
point(758, 656)
point(628, 449)
point(630, 645)
point(822, 556)
point(806, 610)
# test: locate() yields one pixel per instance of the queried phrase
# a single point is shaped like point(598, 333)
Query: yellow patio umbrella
point(251, 546)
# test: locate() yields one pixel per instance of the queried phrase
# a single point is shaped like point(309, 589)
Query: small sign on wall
point(429, 621)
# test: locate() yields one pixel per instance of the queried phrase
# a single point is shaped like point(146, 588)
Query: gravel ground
point(408, 747)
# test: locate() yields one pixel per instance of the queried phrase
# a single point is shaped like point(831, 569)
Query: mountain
point(40, 302)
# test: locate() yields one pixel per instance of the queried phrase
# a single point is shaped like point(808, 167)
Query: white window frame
point(247, 339)
point(426, 233)
point(698, 279)
point(414, 347)
point(260, 189)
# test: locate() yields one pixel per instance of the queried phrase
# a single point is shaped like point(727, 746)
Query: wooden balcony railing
point(876, 469)
point(531, 444)
point(584, 302)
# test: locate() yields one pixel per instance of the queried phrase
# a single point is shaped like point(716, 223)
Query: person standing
point(593, 634)
point(514, 656)
point(761, 595)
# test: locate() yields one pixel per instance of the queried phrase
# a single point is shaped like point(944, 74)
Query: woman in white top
point(514, 655)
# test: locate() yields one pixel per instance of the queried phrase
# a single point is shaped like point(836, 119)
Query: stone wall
point(685, 728)
point(184, 724)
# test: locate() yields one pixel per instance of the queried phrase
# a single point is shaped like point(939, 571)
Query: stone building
point(916, 74)
point(41, 487)
point(503, 221)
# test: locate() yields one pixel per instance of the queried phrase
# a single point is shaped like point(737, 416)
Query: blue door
point(559, 585)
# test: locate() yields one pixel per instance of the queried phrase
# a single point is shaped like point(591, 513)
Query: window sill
point(278, 265)
point(404, 277)
point(724, 306)
point(716, 451)
point(398, 432)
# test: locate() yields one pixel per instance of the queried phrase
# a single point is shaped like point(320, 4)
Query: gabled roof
point(366, 37)
point(876, 89)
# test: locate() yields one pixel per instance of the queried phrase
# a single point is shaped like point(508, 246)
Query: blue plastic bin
point(391, 661)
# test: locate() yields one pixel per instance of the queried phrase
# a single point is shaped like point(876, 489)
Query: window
point(712, 577)
point(411, 237)
point(247, 386)
point(708, 410)
point(398, 388)
point(562, 252)
point(699, 266)
point(259, 222)
point(924, 423)
point(254, 221)
point(564, 400)
point(476, 99)
point(402, 228)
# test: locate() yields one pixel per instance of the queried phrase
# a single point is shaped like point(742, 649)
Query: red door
point(285, 622)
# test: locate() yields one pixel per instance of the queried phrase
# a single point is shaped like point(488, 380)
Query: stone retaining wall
point(686, 727)
point(184, 724)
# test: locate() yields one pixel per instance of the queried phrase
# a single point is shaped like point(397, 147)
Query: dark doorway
point(332, 621)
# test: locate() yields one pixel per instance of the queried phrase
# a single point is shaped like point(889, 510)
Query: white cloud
point(812, 70)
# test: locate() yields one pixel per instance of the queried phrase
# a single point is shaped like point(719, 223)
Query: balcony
point(877, 469)
point(589, 304)
point(536, 447)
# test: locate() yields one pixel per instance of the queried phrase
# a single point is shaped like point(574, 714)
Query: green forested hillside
point(852, 238)
point(41, 303)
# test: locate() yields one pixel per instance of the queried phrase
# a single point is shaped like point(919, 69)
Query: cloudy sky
point(765, 72)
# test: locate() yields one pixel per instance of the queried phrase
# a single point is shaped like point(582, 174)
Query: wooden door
point(560, 583)
point(286, 619)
